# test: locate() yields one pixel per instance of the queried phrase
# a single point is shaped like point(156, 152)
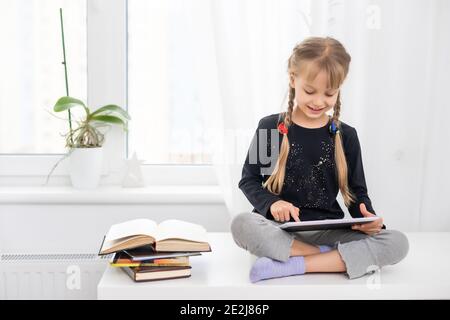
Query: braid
point(276, 180)
point(341, 162)
point(337, 111)
point(288, 118)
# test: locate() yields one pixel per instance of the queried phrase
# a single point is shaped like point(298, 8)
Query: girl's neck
point(299, 118)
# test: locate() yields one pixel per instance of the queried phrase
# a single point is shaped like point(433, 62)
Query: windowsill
point(111, 195)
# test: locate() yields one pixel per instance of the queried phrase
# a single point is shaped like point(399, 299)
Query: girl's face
point(314, 99)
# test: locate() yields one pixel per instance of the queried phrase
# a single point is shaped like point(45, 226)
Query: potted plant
point(86, 140)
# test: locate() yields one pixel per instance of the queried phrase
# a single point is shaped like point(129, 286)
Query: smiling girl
point(319, 156)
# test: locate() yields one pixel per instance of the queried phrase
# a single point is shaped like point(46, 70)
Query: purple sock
point(266, 268)
point(325, 248)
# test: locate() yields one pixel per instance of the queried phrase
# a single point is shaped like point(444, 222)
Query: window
point(33, 78)
point(33, 75)
point(167, 78)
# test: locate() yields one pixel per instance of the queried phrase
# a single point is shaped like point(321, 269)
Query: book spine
point(169, 278)
point(130, 273)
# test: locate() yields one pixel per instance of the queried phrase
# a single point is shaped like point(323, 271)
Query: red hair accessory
point(282, 128)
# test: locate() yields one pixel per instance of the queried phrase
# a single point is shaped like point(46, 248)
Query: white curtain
point(394, 95)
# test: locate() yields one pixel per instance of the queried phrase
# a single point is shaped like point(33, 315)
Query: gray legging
point(361, 253)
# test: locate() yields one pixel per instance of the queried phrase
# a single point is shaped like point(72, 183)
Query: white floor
point(223, 274)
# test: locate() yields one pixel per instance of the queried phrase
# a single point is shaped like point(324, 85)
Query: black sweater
point(310, 178)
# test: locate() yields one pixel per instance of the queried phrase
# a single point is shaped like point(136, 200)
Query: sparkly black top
point(310, 178)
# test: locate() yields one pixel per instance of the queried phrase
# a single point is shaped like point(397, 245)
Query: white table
point(223, 274)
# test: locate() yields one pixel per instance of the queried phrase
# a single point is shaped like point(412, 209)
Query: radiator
point(50, 276)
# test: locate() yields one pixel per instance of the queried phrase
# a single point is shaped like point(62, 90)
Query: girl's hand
point(282, 211)
point(369, 228)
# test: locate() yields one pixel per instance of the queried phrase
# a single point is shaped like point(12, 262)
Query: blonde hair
point(311, 56)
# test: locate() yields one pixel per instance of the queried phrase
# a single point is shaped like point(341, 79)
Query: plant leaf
point(112, 108)
point(65, 103)
point(108, 119)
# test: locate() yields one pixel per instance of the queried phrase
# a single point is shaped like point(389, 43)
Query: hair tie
point(282, 128)
point(333, 128)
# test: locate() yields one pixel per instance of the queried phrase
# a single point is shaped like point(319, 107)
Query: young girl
point(319, 155)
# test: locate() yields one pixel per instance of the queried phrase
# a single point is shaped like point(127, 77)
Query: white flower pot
point(85, 167)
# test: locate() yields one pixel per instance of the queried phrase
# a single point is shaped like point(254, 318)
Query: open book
point(170, 236)
point(325, 224)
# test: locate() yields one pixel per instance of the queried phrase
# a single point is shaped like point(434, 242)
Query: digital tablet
point(327, 224)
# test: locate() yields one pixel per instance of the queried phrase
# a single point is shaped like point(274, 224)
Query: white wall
point(78, 228)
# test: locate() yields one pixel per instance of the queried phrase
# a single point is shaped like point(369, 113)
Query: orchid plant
point(87, 134)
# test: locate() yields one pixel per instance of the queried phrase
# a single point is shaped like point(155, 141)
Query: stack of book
point(147, 251)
